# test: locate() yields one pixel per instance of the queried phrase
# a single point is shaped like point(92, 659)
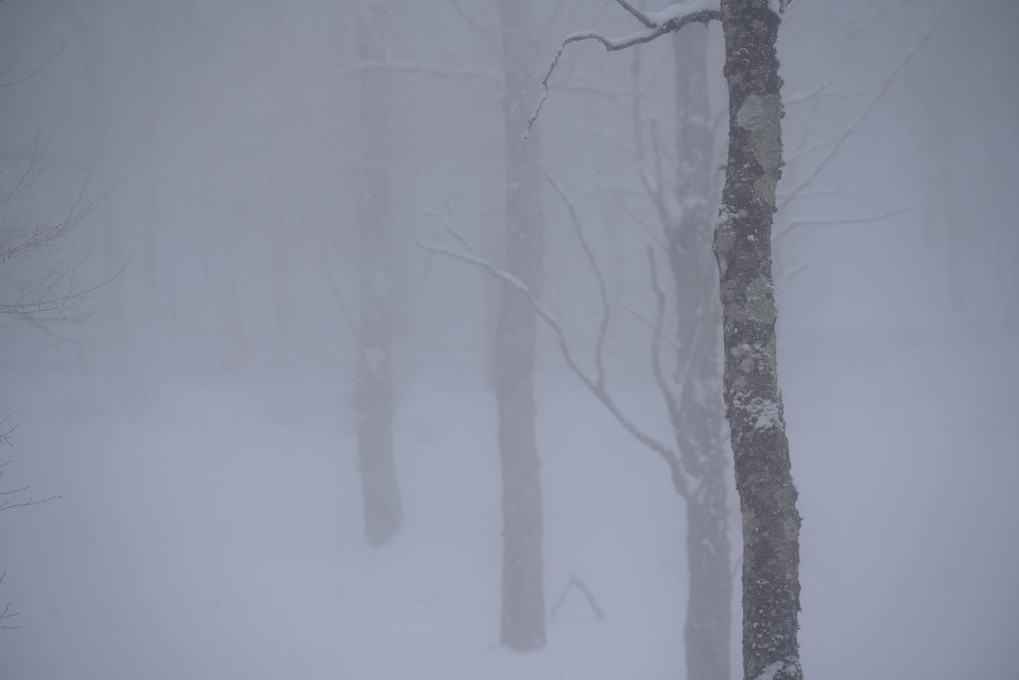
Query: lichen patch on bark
point(791, 530)
point(724, 239)
point(762, 116)
point(760, 304)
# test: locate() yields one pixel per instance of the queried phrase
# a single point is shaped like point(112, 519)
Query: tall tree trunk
point(702, 416)
point(523, 599)
point(375, 400)
point(742, 245)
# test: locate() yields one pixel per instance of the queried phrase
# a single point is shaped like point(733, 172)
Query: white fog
point(259, 373)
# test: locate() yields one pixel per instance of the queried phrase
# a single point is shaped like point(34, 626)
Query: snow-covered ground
point(210, 522)
point(907, 464)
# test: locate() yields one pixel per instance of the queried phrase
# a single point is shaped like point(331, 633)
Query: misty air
point(508, 339)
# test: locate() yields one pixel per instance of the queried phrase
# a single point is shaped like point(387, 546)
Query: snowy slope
point(210, 524)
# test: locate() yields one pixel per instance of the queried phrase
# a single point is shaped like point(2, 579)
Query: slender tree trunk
point(375, 400)
point(702, 415)
point(742, 245)
point(523, 599)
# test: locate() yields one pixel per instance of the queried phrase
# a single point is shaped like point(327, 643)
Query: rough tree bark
point(701, 419)
point(742, 245)
point(523, 599)
point(375, 399)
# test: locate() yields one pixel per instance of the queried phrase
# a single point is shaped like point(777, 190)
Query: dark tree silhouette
point(742, 247)
point(523, 599)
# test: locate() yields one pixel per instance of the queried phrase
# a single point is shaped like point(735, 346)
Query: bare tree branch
point(650, 325)
point(923, 34)
point(7, 614)
point(9, 499)
point(603, 326)
point(672, 396)
point(5, 436)
point(468, 19)
point(823, 90)
point(870, 219)
point(23, 178)
point(638, 14)
point(656, 24)
point(656, 238)
point(49, 60)
point(594, 385)
point(41, 301)
point(575, 582)
point(11, 247)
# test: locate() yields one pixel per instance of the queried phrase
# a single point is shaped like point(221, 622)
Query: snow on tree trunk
point(701, 416)
point(375, 400)
point(742, 245)
point(523, 599)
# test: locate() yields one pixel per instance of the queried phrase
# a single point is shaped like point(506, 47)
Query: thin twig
point(5, 436)
point(13, 502)
point(49, 60)
point(666, 453)
point(921, 38)
point(575, 582)
point(655, 26)
point(468, 19)
point(656, 238)
point(871, 219)
point(603, 326)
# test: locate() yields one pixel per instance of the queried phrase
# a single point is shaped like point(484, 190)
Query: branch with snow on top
point(656, 24)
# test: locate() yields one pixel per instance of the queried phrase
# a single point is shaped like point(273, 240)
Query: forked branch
point(575, 582)
point(656, 24)
point(595, 384)
point(7, 614)
point(923, 34)
point(603, 296)
point(9, 498)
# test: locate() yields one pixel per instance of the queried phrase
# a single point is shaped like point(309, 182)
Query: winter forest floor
point(210, 522)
